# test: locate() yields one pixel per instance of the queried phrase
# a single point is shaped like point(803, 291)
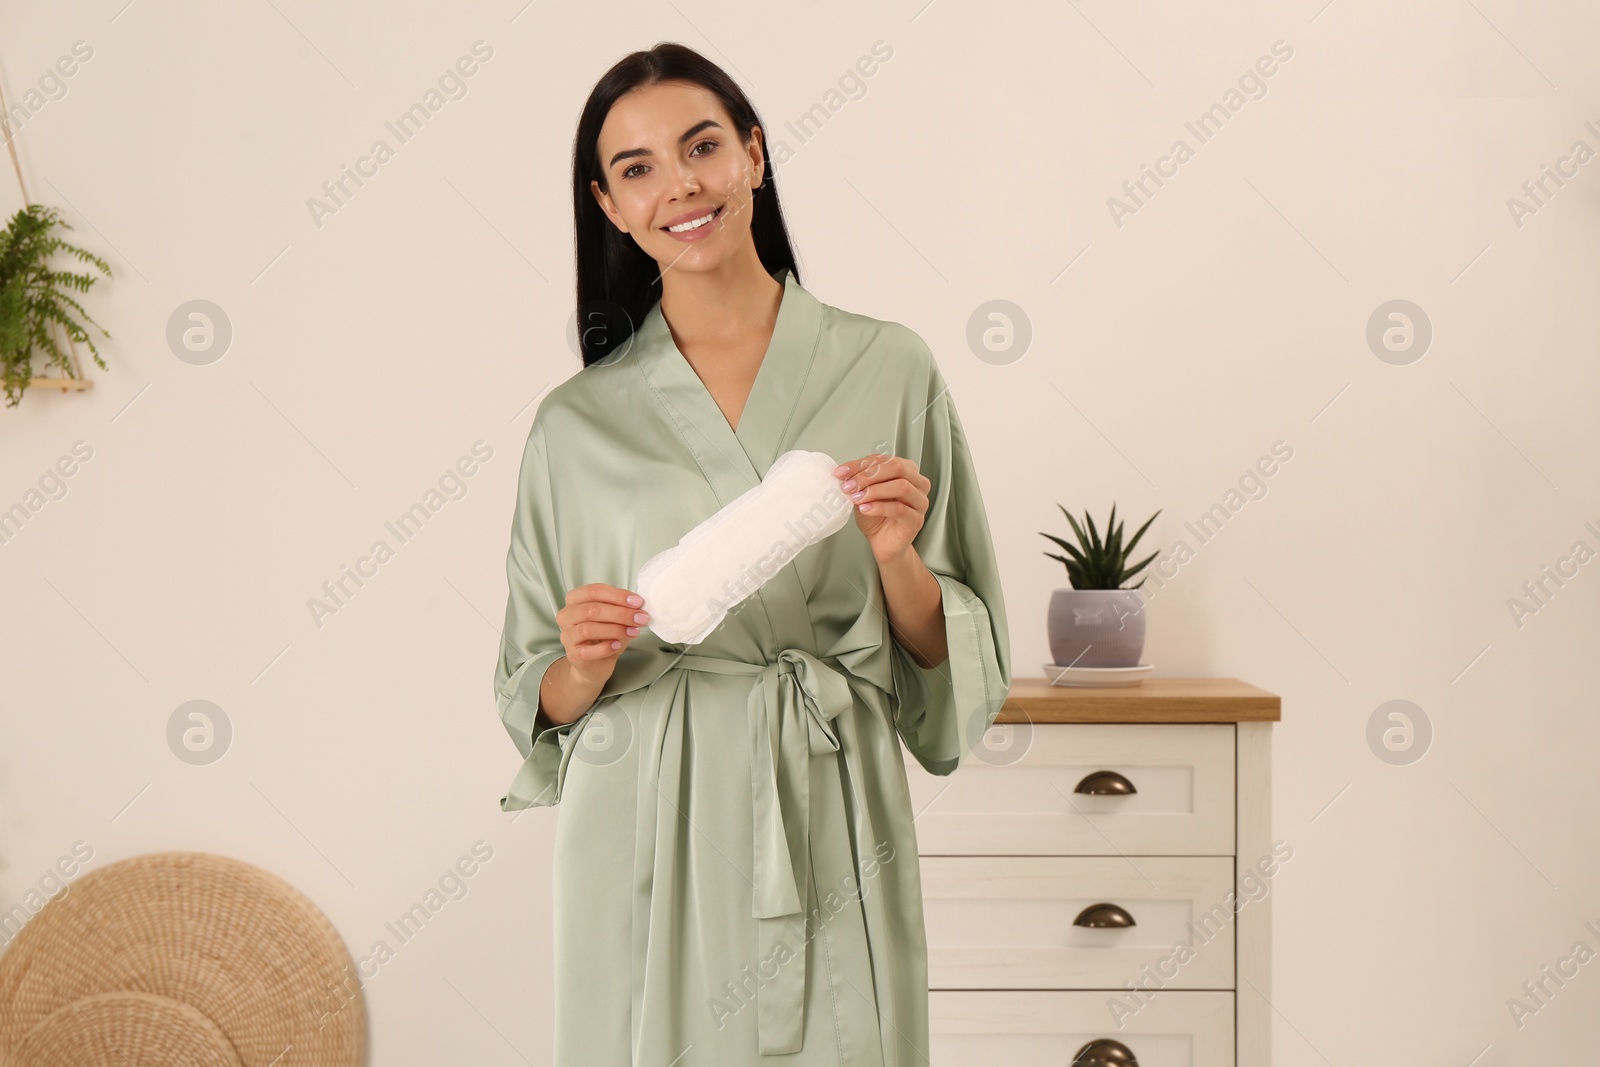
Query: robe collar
point(766, 423)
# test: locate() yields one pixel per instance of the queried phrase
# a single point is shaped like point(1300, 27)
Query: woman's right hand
point(598, 622)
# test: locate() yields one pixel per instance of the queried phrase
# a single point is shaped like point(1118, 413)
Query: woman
point(735, 865)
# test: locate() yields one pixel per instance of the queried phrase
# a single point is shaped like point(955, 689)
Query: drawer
point(1010, 922)
point(1019, 794)
point(1047, 1029)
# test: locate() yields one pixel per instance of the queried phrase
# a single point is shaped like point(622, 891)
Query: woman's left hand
point(891, 499)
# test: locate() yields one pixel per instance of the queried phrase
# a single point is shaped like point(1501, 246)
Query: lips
point(680, 220)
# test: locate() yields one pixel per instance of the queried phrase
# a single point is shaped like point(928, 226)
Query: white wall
point(1227, 313)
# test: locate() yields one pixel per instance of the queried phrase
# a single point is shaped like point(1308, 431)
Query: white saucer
point(1092, 677)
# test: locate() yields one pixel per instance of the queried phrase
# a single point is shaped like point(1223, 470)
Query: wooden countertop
point(1153, 700)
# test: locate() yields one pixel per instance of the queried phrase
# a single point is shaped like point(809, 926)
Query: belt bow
point(790, 713)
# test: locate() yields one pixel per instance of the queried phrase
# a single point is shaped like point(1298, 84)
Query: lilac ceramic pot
point(1096, 627)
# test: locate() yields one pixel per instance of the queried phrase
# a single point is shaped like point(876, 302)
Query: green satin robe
point(735, 869)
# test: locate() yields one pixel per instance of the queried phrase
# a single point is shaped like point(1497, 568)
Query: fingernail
point(858, 494)
point(633, 631)
point(847, 486)
point(616, 644)
point(866, 507)
point(640, 616)
point(635, 600)
point(842, 469)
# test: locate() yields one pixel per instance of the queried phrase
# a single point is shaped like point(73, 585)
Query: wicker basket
point(240, 948)
point(125, 1030)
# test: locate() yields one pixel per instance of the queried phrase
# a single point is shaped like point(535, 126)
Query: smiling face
point(671, 157)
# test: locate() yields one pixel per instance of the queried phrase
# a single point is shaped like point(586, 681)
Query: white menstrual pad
point(690, 588)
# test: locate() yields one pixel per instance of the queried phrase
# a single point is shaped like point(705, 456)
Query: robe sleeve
point(942, 712)
point(531, 641)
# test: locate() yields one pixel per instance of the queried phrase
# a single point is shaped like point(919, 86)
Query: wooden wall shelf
point(76, 385)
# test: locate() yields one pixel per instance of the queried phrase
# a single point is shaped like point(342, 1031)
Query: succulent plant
point(1097, 564)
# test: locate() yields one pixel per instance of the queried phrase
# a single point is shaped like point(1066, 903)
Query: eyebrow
point(690, 132)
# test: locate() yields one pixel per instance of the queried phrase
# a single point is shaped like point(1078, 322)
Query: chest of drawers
point(1096, 880)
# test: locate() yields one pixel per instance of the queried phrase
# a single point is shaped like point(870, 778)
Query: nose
point(684, 180)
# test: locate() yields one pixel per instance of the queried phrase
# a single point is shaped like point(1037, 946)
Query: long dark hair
point(618, 282)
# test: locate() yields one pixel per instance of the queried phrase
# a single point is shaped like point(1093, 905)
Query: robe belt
point(791, 711)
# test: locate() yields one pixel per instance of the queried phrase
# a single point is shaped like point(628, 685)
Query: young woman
point(735, 864)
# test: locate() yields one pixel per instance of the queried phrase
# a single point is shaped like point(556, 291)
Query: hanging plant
point(34, 298)
point(34, 301)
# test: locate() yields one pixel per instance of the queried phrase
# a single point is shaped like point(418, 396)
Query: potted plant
point(1098, 622)
point(32, 299)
